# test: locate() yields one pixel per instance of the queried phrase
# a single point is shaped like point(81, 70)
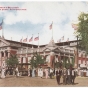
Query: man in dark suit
point(69, 76)
point(58, 75)
point(30, 72)
point(73, 75)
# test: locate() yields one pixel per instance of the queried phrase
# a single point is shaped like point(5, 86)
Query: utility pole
point(77, 51)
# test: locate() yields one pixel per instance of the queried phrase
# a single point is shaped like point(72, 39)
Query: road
point(25, 81)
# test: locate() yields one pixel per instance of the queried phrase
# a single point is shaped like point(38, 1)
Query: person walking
point(41, 72)
point(58, 75)
point(64, 73)
point(68, 76)
point(30, 72)
point(33, 72)
point(73, 75)
point(17, 72)
point(46, 73)
point(51, 73)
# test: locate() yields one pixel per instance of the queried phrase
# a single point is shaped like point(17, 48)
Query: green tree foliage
point(82, 31)
point(12, 61)
point(67, 65)
point(37, 60)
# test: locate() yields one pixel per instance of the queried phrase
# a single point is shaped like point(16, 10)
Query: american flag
point(31, 39)
point(67, 39)
point(20, 40)
point(36, 38)
point(1, 25)
point(59, 40)
point(62, 38)
point(50, 27)
point(74, 26)
point(25, 40)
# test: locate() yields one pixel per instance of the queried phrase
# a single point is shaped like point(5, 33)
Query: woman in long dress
point(33, 72)
point(46, 73)
point(41, 72)
point(17, 72)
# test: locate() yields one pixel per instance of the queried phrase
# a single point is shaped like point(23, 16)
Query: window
point(83, 61)
point(48, 59)
point(79, 61)
point(29, 59)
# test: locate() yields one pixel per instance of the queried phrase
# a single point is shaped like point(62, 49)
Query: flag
point(62, 38)
point(20, 40)
point(31, 39)
point(59, 40)
point(25, 40)
point(74, 26)
point(36, 38)
point(1, 25)
point(67, 39)
point(50, 27)
point(11, 38)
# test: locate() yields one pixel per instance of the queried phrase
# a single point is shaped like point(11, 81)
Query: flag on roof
point(59, 40)
point(1, 25)
point(25, 40)
point(74, 26)
point(20, 40)
point(36, 38)
point(31, 39)
point(62, 38)
point(67, 39)
point(50, 27)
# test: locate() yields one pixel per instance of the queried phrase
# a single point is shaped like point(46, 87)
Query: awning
point(82, 65)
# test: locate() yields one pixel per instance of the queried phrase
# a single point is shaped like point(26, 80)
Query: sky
point(33, 17)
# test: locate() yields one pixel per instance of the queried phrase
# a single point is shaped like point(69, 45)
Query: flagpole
point(22, 42)
point(38, 43)
point(27, 41)
point(2, 30)
point(52, 30)
point(27, 44)
point(32, 40)
point(38, 40)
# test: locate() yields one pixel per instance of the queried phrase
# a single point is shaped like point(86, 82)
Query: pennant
point(36, 38)
point(30, 39)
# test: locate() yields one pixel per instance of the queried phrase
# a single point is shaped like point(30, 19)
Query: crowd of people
point(68, 75)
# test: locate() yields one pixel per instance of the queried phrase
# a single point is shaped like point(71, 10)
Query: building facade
point(52, 52)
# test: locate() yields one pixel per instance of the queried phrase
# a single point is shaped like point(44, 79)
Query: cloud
point(42, 14)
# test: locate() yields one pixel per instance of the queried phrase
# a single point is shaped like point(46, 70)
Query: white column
point(8, 53)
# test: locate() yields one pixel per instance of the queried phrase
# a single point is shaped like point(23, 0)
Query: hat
point(64, 68)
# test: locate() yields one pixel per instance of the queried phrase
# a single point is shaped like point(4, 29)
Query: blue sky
point(37, 18)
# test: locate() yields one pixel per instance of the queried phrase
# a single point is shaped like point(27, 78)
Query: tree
point(82, 31)
point(12, 61)
point(36, 60)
